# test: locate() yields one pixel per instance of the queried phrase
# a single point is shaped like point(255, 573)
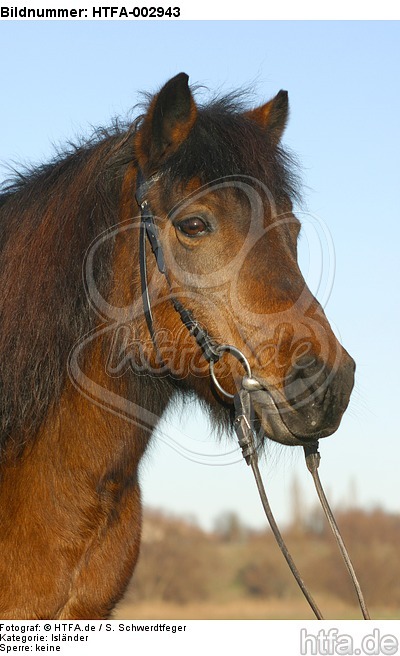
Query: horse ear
point(272, 116)
point(170, 117)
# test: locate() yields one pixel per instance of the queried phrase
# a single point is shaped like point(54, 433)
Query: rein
point(244, 413)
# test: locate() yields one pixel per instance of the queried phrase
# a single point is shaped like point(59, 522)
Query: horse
point(91, 355)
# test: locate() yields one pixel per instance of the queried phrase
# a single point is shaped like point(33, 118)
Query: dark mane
point(224, 142)
point(51, 214)
point(48, 218)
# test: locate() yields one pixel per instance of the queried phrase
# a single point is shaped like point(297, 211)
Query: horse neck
point(100, 417)
point(109, 417)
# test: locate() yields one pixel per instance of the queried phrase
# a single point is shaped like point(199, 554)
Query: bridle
point(148, 231)
point(244, 413)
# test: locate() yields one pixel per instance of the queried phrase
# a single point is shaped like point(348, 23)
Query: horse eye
point(193, 226)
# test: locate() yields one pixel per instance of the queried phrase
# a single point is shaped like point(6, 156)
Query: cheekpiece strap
point(149, 229)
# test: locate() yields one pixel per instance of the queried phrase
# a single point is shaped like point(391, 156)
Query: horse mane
point(48, 218)
point(224, 142)
point(50, 215)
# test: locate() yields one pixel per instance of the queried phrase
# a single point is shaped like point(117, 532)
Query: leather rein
point(244, 413)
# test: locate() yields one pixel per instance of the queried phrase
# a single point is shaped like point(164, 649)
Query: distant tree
point(174, 562)
point(265, 579)
point(297, 518)
point(229, 527)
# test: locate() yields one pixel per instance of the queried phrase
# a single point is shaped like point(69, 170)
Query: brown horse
point(85, 375)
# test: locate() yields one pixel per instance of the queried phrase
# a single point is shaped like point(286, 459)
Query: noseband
point(244, 413)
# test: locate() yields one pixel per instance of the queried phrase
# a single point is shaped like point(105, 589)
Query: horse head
point(222, 193)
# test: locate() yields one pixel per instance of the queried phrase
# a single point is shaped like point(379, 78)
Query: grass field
point(246, 610)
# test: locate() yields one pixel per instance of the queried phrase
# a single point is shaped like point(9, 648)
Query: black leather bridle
point(149, 231)
point(244, 414)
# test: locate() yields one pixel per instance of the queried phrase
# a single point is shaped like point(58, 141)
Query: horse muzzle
point(309, 405)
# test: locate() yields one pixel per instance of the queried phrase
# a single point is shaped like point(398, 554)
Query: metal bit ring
point(220, 350)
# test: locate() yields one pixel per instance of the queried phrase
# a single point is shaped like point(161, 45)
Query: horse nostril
point(306, 378)
point(307, 366)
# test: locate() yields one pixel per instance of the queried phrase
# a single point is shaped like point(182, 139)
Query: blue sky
point(343, 84)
